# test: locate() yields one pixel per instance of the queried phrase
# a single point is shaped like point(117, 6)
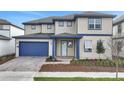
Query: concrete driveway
point(23, 64)
point(21, 68)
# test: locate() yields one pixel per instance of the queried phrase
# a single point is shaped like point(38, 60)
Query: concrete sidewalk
point(16, 76)
point(28, 76)
point(79, 74)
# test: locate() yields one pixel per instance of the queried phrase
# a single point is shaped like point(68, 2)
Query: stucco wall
point(115, 29)
point(121, 54)
point(28, 29)
point(39, 29)
point(93, 54)
point(83, 26)
point(7, 47)
point(65, 28)
point(34, 40)
point(45, 30)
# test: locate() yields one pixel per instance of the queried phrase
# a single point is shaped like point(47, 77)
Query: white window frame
point(69, 24)
point(89, 48)
point(61, 23)
point(94, 23)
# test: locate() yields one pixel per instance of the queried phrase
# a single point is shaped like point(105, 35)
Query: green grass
point(105, 63)
point(75, 79)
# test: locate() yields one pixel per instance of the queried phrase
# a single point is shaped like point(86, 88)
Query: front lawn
point(75, 79)
point(4, 59)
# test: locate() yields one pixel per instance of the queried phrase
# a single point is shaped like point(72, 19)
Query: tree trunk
point(117, 67)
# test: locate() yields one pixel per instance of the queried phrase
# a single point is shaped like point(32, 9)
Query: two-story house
point(73, 35)
point(118, 33)
point(7, 31)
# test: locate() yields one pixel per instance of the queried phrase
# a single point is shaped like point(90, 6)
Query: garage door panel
point(33, 49)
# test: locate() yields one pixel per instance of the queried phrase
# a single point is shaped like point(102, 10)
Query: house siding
point(83, 26)
point(45, 30)
point(93, 54)
point(65, 28)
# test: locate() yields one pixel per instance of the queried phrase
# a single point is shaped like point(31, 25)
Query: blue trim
point(95, 35)
point(53, 49)
point(68, 37)
point(78, 48)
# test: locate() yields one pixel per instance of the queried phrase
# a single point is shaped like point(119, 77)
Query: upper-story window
point(61, 23)
point(94, 23)
point(119, 29)
point(49, 26)
point(33, 27)
point(4, 27)
point(69, 24)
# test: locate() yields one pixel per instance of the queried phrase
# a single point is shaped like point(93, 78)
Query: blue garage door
point(33, 49)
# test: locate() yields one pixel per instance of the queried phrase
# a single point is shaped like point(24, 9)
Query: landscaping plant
point(100, 48)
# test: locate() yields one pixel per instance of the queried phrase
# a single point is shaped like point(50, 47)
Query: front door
point(64, 48)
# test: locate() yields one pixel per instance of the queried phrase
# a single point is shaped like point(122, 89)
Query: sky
point(18, 17)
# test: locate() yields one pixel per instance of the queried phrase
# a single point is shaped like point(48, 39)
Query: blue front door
point(33, 49)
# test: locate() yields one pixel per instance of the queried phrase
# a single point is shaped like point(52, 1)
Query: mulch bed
point(5, 59)
point(76, 68)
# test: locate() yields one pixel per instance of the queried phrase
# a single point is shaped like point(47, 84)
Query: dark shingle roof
point(4, 37)
point(68, 17)
point(3, 21)
point(118, 20)
point(95, 14)
point(34, 36)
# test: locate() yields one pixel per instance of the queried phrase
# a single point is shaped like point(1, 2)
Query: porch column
point(54, 49)
point(77, 48)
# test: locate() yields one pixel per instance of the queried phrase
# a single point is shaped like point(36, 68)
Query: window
point(88, 46)
point(119, 29)
point(49, 26)
point(61, 23)
point(33, 27)
point(1, 26)
point(5, 27)
point(69, 24)
point(94, 23)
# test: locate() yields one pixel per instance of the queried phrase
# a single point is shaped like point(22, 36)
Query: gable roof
point(68, 17)
point(3, 21)
point(6, 22)
point(4, 37)
point(118, 20)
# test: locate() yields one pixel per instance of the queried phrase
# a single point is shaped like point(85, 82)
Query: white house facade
point(7, 31)
point(118, 33)
point(73, 35)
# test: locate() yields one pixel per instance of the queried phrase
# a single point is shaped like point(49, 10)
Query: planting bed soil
point(76, 68)
point(5, 59)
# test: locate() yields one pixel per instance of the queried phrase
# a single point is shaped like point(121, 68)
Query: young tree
point(100, 48)
point(117, 48)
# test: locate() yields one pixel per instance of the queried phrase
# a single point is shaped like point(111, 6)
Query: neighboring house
point(73, 35)
point(118, 32)
point(7, 31)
